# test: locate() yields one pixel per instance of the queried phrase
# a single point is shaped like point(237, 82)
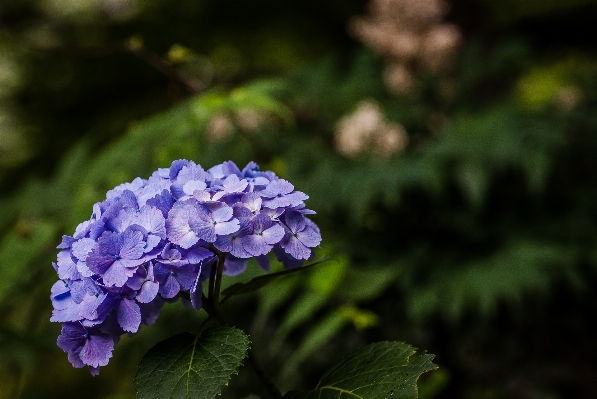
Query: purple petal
point(224, 228)
point(129, 315)
point(263, 262)
point(295, 221)
point(278, 202)
point(197, 255)
point(252, 201)
point(66, 243)
point(178, 229)
point(223, 243)
point(66, 310)
point(122, 220)
point(219, 212)
point(277, 187)
point(176, 167)
point(255, 245)
point(163, 202)
point(103, 255)
point(91, 307)
point(152, 190)
point(136, 280)
point(201, 195)
point(192, 171)
point(152, 242)
point(133, 244)
point(233, 184)
point(75, 357)
point(71, 337)
point(161, 272)
point(203, 230)
point(60, 289)
point(287, 261)
point(185, 275)
point(309, 237)
point(117, 274)
point(234, 266)
point(193, 185)
point(67, 269)
point(296, 198)
point(97, 350)
point(152, 220)
point(238, 249)
point(180, 233)
point(295, 248)
point(82, 248)
point(273, 213)
point(150, 311)
point(148, 292)
point(274, 234)
point(83, 228)
point(260, 223)
point(187, 218)
point(242, 213)
point(170, 288)
point(196, 293)
point(79, 289)
point(83, 269)
point(224, 169)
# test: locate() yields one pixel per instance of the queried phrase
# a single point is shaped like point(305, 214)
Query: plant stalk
point(212, 306)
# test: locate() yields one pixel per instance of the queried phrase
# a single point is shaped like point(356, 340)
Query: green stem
point(212, 307)
point(269, 384)
point(218, 283)
point(212, 280)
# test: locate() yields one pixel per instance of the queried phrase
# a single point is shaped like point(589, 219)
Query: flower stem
point(218, 283)
point(269, 384)
point(212, 307)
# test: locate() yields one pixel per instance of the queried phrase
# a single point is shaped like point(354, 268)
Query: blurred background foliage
point(448, 148)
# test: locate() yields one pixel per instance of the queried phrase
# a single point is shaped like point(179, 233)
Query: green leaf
point(378, 371)
point(520, 267)
point(191, 366)
point(262, 281)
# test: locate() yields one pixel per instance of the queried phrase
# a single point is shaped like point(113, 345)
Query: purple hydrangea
point(157, 239)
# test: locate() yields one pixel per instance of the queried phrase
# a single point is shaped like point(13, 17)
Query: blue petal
point(129, 315)
point(97, 350)
point(148, 292)
point(234, 266)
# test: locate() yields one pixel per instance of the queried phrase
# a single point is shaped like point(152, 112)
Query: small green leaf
point(262, 281)
point(188, 366)
point(384, 370)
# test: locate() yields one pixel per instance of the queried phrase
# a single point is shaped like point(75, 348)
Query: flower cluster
point(155, 240)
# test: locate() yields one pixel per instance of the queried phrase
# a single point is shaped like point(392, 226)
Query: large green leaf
point(188, 366)
point(262, 281)
point(384, 370)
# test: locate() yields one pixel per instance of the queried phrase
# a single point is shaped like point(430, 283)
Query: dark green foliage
point(188, 366)
point(477, 243)
point(382, 370)
point(261, 281)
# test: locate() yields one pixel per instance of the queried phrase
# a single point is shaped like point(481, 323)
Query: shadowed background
point(447, 147)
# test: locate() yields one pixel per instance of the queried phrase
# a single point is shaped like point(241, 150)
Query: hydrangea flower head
point(157, 239)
